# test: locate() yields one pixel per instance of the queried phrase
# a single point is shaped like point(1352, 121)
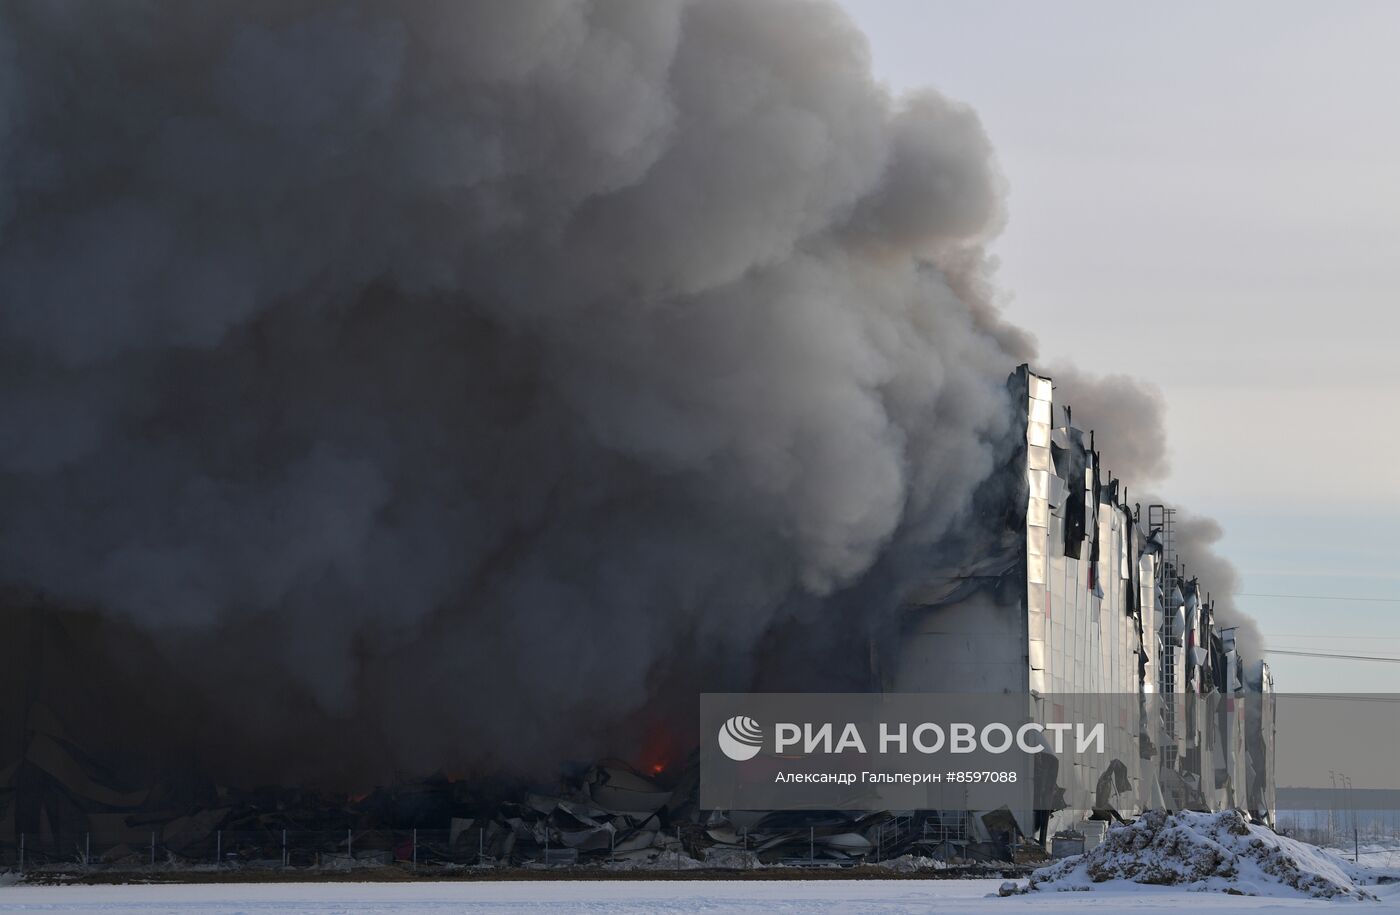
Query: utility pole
point(1355, 826)
point(1331, 805)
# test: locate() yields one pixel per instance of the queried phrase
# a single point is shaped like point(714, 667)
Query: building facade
point(1082, 598)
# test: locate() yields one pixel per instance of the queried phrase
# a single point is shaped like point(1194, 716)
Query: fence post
point(153, 848)
point(21, 853)
point(87, 849)
point(678, 848)
point(219, 850)
point(480, 845)
point(746, 848)
point(415, 848)
point(350, 845)
point(284, 848)
point(811, 844)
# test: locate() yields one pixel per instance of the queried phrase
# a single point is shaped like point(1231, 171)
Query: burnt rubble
point(606, 814)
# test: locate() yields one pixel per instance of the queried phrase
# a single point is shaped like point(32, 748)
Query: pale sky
point(1207, 196)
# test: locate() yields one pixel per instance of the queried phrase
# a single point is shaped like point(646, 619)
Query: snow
point(637, 896)
point(1207, 851)
point(1380, 857)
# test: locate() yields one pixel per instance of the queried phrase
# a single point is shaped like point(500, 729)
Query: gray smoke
point(462, 370)
point(455, 375)
point(1129, 419)
point(1196, 537)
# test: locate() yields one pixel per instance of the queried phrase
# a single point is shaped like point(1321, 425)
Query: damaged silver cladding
point(1103, 606)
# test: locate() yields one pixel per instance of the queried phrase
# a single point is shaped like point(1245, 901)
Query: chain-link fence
point(134, 850)
point(262, 849)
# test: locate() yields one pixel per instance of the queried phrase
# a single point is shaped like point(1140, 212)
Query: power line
point(1318, 635)
point(1340, 657)
point(1328, 651)
point(1329, 654)
point(1368, 600)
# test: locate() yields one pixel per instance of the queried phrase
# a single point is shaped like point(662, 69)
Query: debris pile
point(605, 813)
point(59, 806)
point(616, 815)
point(1204, 851)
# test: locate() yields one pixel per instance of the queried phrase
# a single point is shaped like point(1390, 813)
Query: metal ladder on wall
point(1162, 518)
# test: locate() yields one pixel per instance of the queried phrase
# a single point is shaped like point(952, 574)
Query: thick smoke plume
point(412, 362)
point(1127, 416)
point(1129, 419)
point(1196, 537)
point(457, 375)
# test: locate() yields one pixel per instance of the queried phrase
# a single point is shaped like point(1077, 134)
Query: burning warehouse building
point(1087, 596)
point(1083, 595)
point(473, 406)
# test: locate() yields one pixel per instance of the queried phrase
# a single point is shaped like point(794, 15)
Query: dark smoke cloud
point(455, 375)
point(467, 369)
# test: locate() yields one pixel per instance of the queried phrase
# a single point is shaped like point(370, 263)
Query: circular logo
point(741, 738)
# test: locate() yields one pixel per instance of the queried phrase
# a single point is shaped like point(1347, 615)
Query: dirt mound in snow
point(1204, 851)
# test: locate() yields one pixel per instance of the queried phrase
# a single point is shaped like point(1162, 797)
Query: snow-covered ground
point(1383, 856)
point(1160, 863)
point(585, 897)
